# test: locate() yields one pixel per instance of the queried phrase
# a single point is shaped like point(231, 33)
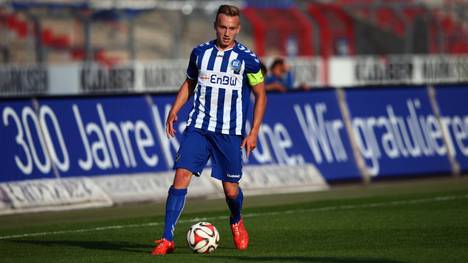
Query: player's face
point(227, 28)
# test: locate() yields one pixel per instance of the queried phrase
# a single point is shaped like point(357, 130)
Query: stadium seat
point(283, 24)
point(22, 28)
point(388, 19)
point(453, 34)
point(17, 25)
point(334, 25)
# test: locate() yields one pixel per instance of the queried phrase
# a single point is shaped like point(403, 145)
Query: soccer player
point(221, 74)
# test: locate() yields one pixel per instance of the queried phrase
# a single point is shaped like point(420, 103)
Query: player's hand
point(250, 142)
point(170, 131)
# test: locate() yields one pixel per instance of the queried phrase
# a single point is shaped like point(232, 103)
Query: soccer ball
point(203, 237)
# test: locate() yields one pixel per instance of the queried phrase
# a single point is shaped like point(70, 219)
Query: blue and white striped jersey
point(221, 97)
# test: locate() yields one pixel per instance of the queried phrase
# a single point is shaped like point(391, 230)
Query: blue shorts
point(198, 146)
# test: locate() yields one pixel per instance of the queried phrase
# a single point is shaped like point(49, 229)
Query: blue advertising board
point(23, 155)
point(396, 131)
point(102, 135)
point(452, 101)
point(306, 127)
point(92, 136)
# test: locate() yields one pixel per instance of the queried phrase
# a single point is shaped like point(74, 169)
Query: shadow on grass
point(305, 259)
point(147, 247)
point(98, 245)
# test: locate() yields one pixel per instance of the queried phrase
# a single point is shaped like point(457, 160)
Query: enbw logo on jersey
point(223, 80)
point(236, 65)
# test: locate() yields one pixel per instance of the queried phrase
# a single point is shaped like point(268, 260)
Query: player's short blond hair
point(228, 10)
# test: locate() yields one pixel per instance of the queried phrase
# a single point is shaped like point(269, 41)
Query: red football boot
point(240, 235)
point(164, 247)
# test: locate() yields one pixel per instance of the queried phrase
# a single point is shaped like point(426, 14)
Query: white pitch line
point(197, 219)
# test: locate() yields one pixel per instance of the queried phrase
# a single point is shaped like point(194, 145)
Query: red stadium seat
point(22, 29)
point(453, 34)
point(17, 25)
point(46, 36)
point(11, 21)
point(389, 20)
point(274, 27)
point(61, 42)
point(335, 25)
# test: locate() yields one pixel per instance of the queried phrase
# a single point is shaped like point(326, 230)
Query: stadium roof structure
point(115, 9)
point(117, 4)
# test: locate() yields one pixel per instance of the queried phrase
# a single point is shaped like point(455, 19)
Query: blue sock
point(174, 205)
point(235, 205)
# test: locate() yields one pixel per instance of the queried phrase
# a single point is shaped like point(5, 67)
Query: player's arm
point(258, 89)
point(185, 91)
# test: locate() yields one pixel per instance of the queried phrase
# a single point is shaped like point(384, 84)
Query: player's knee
point(182, 179)
point(231, 193)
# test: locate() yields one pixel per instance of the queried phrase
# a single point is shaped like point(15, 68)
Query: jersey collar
point(214, 44)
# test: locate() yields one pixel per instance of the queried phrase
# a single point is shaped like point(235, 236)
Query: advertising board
point(452, 101)
point(397, 132)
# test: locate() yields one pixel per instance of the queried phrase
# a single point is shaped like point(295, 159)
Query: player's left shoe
point(163, 247)
point(240, 235)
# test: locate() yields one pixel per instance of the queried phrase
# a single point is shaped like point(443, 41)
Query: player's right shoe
point(163, 247)
point(240, 235)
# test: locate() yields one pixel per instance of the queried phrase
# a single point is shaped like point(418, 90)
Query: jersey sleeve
point(252, 69)
point(192, 70)
point(252, 64)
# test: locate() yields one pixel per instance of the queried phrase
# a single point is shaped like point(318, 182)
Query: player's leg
point(174, 205)
point(191, 158)
point(234, 199)
point(227, 167)
point(175, 201)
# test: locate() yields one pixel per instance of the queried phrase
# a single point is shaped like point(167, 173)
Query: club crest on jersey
point(236, 65)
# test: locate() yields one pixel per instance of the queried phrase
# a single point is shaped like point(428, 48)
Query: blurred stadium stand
point(111, 32)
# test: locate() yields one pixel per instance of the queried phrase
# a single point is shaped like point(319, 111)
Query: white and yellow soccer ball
point(203, 237)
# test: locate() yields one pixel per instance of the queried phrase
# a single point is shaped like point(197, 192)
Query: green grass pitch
point(421, 220)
